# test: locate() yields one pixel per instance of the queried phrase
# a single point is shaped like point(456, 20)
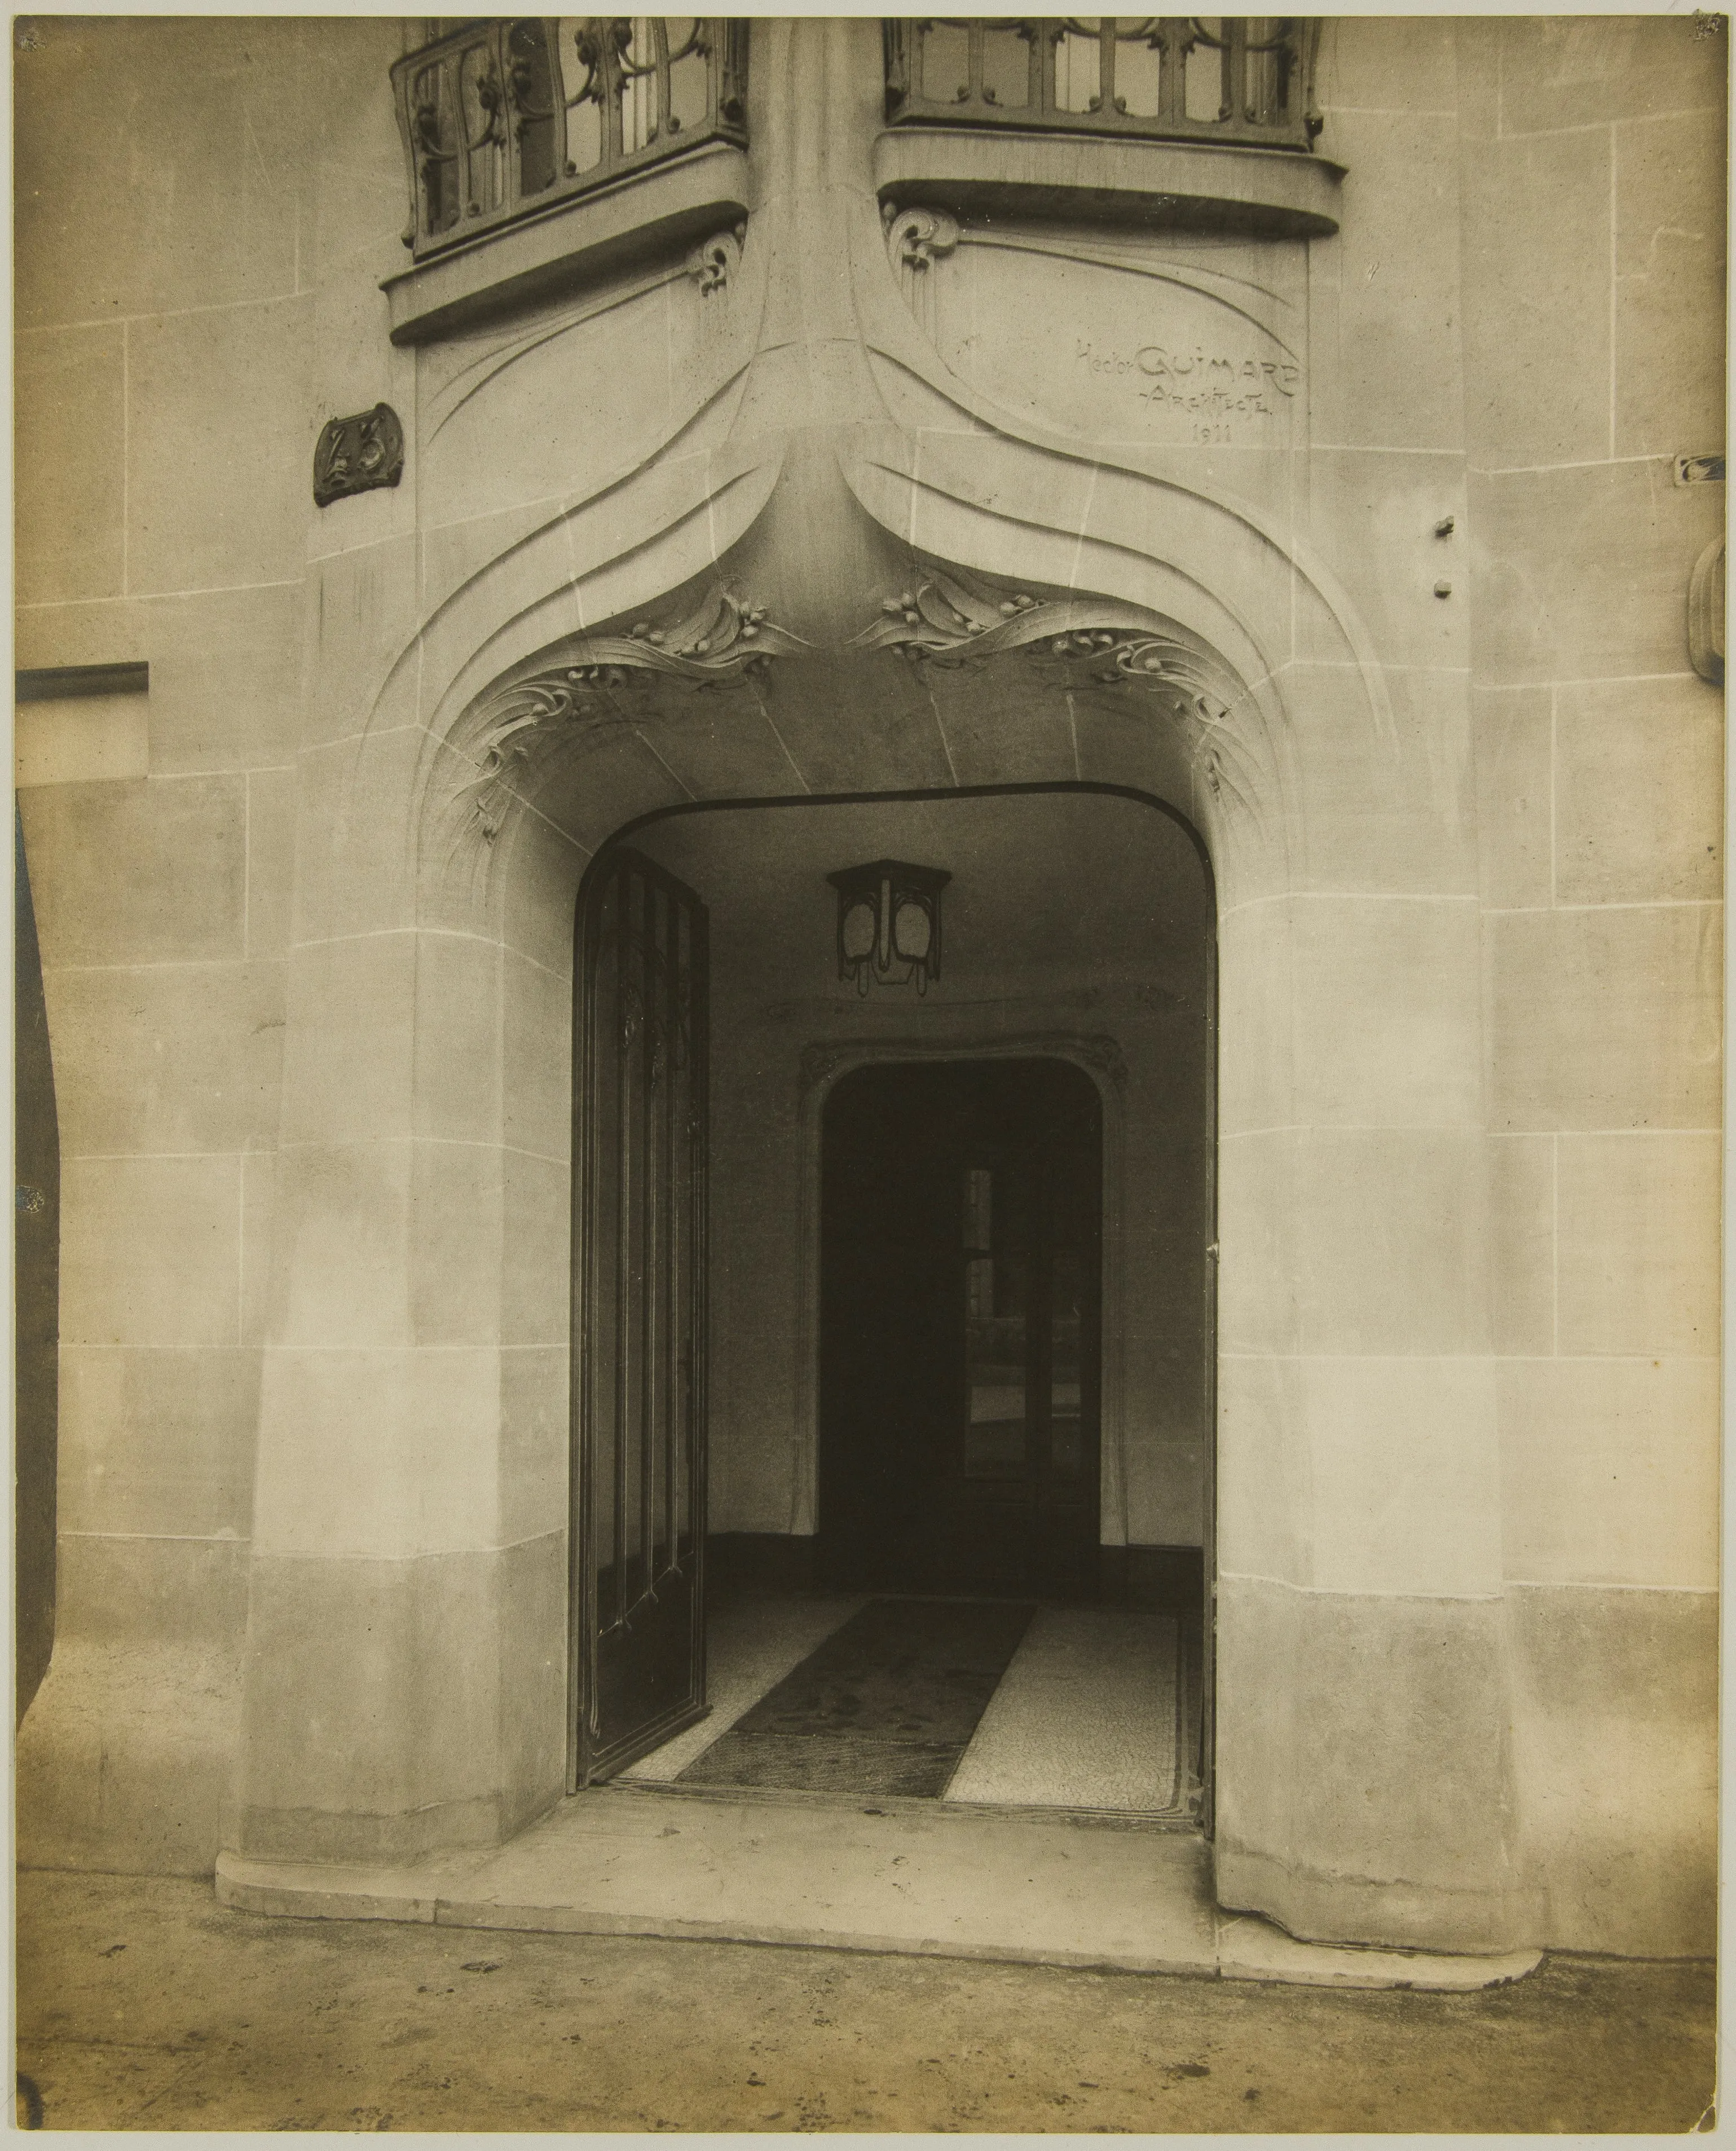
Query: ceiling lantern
point(888, 923)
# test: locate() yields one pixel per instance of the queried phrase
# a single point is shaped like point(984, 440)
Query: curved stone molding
point(643, 531)
point(827, 1058)
point(1150, 512)
point(916, 237)
point(1274, 193)
point(719, 644)
point(712, 264)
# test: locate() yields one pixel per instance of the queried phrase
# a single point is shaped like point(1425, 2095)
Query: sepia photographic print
point(868, 1072)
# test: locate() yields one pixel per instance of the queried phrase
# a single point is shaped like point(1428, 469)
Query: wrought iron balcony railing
point(503, 118)
point(1237, 80)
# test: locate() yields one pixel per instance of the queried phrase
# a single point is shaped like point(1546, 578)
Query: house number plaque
point(354, 455)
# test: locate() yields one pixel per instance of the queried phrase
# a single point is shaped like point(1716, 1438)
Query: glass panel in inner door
point(638, 1530)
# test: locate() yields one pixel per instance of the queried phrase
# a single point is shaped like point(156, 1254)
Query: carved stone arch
point(951, 632)
point(1229, 767)
point(965, 479)
point(955, 425)
point(516, 646)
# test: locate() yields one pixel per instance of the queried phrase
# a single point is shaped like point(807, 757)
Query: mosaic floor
point(969, 1703)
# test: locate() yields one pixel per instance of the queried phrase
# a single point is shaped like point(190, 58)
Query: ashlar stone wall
point(179, 234)
point(1592, 160)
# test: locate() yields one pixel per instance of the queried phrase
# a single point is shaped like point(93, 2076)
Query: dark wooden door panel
point(959, 1351)
point(639, 1374)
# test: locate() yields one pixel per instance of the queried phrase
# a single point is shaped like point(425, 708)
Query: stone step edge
point(1249, 1947)
point(1246, 1946)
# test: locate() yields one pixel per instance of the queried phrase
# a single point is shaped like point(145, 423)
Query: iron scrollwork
point(1128, 75)
point(504, 118)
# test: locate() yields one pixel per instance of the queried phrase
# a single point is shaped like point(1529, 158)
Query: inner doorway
point(960, 1281)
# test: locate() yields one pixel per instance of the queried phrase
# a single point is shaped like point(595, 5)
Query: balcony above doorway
point(545, 150)
point(1203, 123)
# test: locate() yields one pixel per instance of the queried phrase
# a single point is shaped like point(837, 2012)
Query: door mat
point(887, 1705)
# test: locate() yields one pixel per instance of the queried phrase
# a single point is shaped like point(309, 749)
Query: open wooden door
point(638, 1530)
point(960, 1276)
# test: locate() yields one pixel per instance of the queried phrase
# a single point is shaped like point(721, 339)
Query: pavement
point(144, 2003)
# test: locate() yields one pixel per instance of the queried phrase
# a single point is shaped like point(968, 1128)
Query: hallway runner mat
point(750, 1646)
point(887, 1704)
point(1091, 1714)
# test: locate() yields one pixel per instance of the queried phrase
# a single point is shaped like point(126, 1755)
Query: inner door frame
point(1099, 1058)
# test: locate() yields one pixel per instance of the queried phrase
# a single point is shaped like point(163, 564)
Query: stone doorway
point(960, 1343)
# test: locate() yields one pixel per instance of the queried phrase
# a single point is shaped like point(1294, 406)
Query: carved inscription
point(1103, 348)
point(1210, 388)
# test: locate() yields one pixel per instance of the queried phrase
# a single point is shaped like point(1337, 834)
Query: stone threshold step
point(622, 1861)
point(1178, 1821)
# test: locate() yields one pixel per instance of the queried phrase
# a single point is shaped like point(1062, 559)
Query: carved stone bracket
point(712, 263)
point(945, 622)
point(607, 679)
point(916, 237)
point(355, 455)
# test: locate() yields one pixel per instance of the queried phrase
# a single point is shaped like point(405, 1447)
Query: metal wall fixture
point(503, 118)
point(1220, 79)
point(1706, 614)
point(888, 913)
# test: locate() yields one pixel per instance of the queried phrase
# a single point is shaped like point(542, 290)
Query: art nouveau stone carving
point(712, 264)
point(943, 621)
point(917, 237)
point(610, 679)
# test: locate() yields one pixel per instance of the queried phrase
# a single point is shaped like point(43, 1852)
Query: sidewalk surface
point(144, 2003)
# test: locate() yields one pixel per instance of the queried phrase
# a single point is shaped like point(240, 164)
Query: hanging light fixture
point(889, 913)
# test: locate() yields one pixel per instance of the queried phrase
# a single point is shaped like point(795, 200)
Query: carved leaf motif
point(946, 622)
point(720, 643)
